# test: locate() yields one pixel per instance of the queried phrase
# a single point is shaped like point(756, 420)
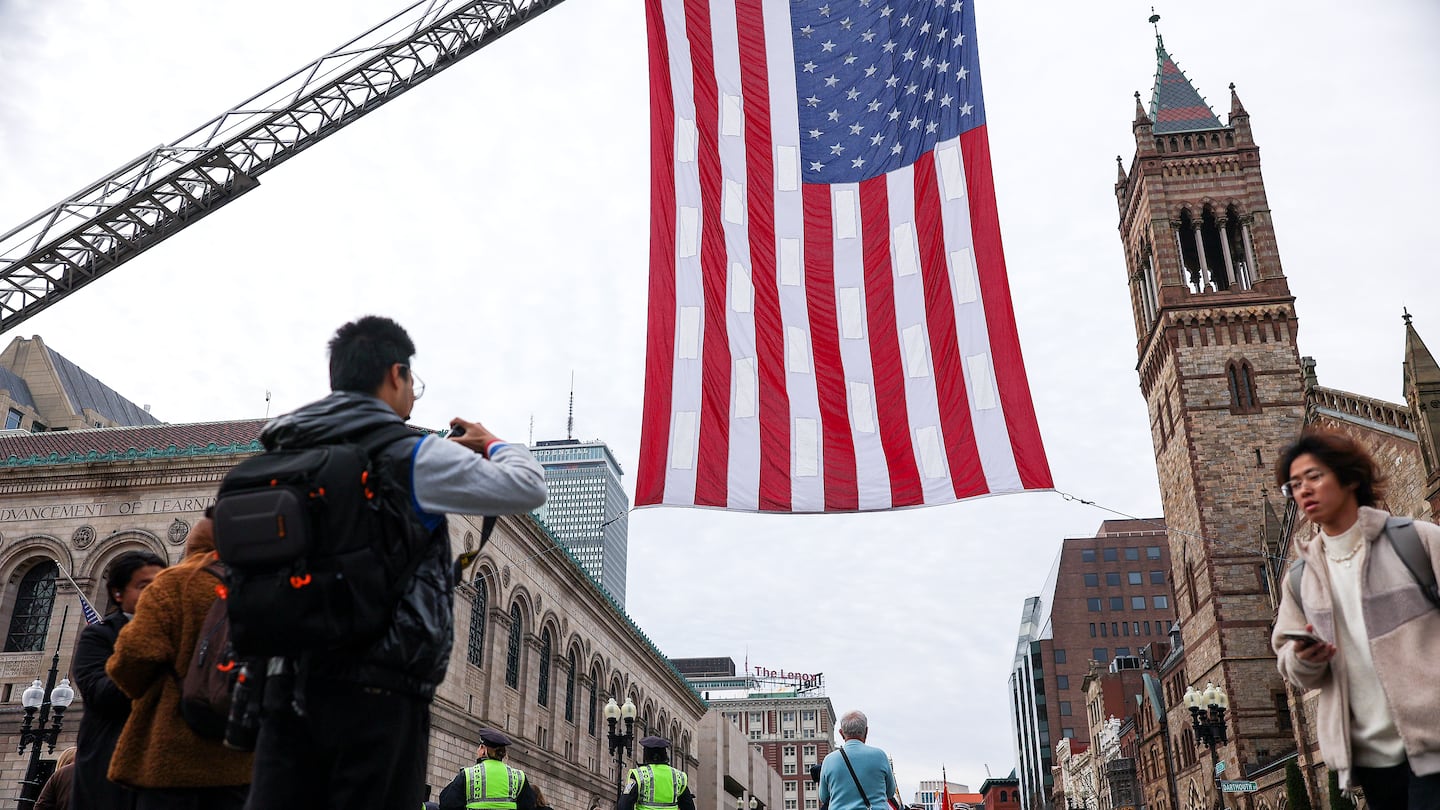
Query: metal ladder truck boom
point(154, 196)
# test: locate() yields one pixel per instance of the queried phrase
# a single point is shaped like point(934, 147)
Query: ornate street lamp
point(35, 732)
point(1207, 715)
point(620, 741)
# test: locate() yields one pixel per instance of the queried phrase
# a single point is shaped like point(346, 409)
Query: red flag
point(830, 326)
point(944, 790)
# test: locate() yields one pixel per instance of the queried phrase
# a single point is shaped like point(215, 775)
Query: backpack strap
point(1405, 539)
point(1292, 578)
point(382, 437)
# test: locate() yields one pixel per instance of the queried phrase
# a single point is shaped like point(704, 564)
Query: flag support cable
point(1161, 523)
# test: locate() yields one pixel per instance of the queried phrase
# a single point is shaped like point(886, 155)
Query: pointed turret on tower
point(1422, 393)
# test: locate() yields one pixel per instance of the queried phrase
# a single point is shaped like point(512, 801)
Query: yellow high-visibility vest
point(492, 785)
point(658, 787)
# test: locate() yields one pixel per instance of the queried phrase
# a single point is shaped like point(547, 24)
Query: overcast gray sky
point(500, 212)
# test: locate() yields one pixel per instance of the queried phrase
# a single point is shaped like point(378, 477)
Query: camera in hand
point(457, 430)
point(243, 726)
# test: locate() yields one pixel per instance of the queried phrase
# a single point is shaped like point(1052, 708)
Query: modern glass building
point(587, 509)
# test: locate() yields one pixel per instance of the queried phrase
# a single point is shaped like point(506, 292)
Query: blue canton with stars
point(881, 81)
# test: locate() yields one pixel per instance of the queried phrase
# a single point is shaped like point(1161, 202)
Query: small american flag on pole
point(91, 615)
point(830, 326)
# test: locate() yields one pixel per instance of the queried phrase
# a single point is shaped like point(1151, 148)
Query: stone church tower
point(1219, 368)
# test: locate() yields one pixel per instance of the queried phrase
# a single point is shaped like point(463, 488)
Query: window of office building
point(1059, 656)
point(1117, 603)
point(1137, 603)
point(789, 769)
point(1093, 604)
point(1062, 681)
point(1087, 555)
point(1161, 602)
point(1152, 552)
point(1099, 654)
point(1135, 578)
point(1157, 577)
point(1112, 578)
point(12, 419)
point(1111, 555)
point(1132, 554)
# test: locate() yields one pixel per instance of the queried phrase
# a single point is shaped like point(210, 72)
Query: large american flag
point(830, 326)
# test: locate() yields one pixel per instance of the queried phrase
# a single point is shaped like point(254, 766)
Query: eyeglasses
point(415, 380)
point(1312, 477)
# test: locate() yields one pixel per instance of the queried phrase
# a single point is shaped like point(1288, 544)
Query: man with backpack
point(348, 506)
point(1362, 623)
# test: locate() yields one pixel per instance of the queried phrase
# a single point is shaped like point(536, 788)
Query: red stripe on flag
point(774, 398)
point(885, 362)
point(841, 488)
point(1010, 378)
point(958, 431)
point(660, 339)
point(712, 466)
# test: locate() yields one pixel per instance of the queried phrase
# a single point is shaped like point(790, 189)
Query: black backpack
point(318, 546)
point(206, 684)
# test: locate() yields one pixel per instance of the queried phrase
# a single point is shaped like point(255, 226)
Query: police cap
point(493, 738)
point(654, 742)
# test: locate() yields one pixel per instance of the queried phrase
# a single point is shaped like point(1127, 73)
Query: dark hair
point(123, 569)
point(1345, 457)
point(362, 352)
point(655, 756)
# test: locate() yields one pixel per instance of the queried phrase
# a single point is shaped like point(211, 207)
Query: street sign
point(1219, 767)
point(1239, 787)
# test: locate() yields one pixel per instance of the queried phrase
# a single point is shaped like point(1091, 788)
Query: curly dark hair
point(1346, 457)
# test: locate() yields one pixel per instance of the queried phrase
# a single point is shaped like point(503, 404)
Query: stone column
point(1251, 271)
point(1230, 273)
point(1207, 284)
point(1180, 254)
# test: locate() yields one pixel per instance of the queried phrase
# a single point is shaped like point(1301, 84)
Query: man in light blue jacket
point(856, 776)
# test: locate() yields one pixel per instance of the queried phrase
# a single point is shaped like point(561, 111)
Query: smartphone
point(1302, 637)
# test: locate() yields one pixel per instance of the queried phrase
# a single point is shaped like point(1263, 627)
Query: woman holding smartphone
point(1362, 630)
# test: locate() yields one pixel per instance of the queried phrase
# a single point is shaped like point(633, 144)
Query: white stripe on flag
point(914, 337)
point(686, 382)
point(872, 473)
point(742, 478)
point(992, 436)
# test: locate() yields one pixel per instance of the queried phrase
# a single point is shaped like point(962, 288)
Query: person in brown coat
point(56, 793)
point(158, 754)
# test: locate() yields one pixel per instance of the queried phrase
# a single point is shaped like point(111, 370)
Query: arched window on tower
point(542, 695)
point(475, 650)
point(34, 601)
point(1240, 378)
point(512, 651)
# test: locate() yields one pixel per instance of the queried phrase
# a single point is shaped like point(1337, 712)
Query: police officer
point(654, 785)
point(489, 784)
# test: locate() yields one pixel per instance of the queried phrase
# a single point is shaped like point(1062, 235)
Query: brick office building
point(1227, 388)
point(1106, 597)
